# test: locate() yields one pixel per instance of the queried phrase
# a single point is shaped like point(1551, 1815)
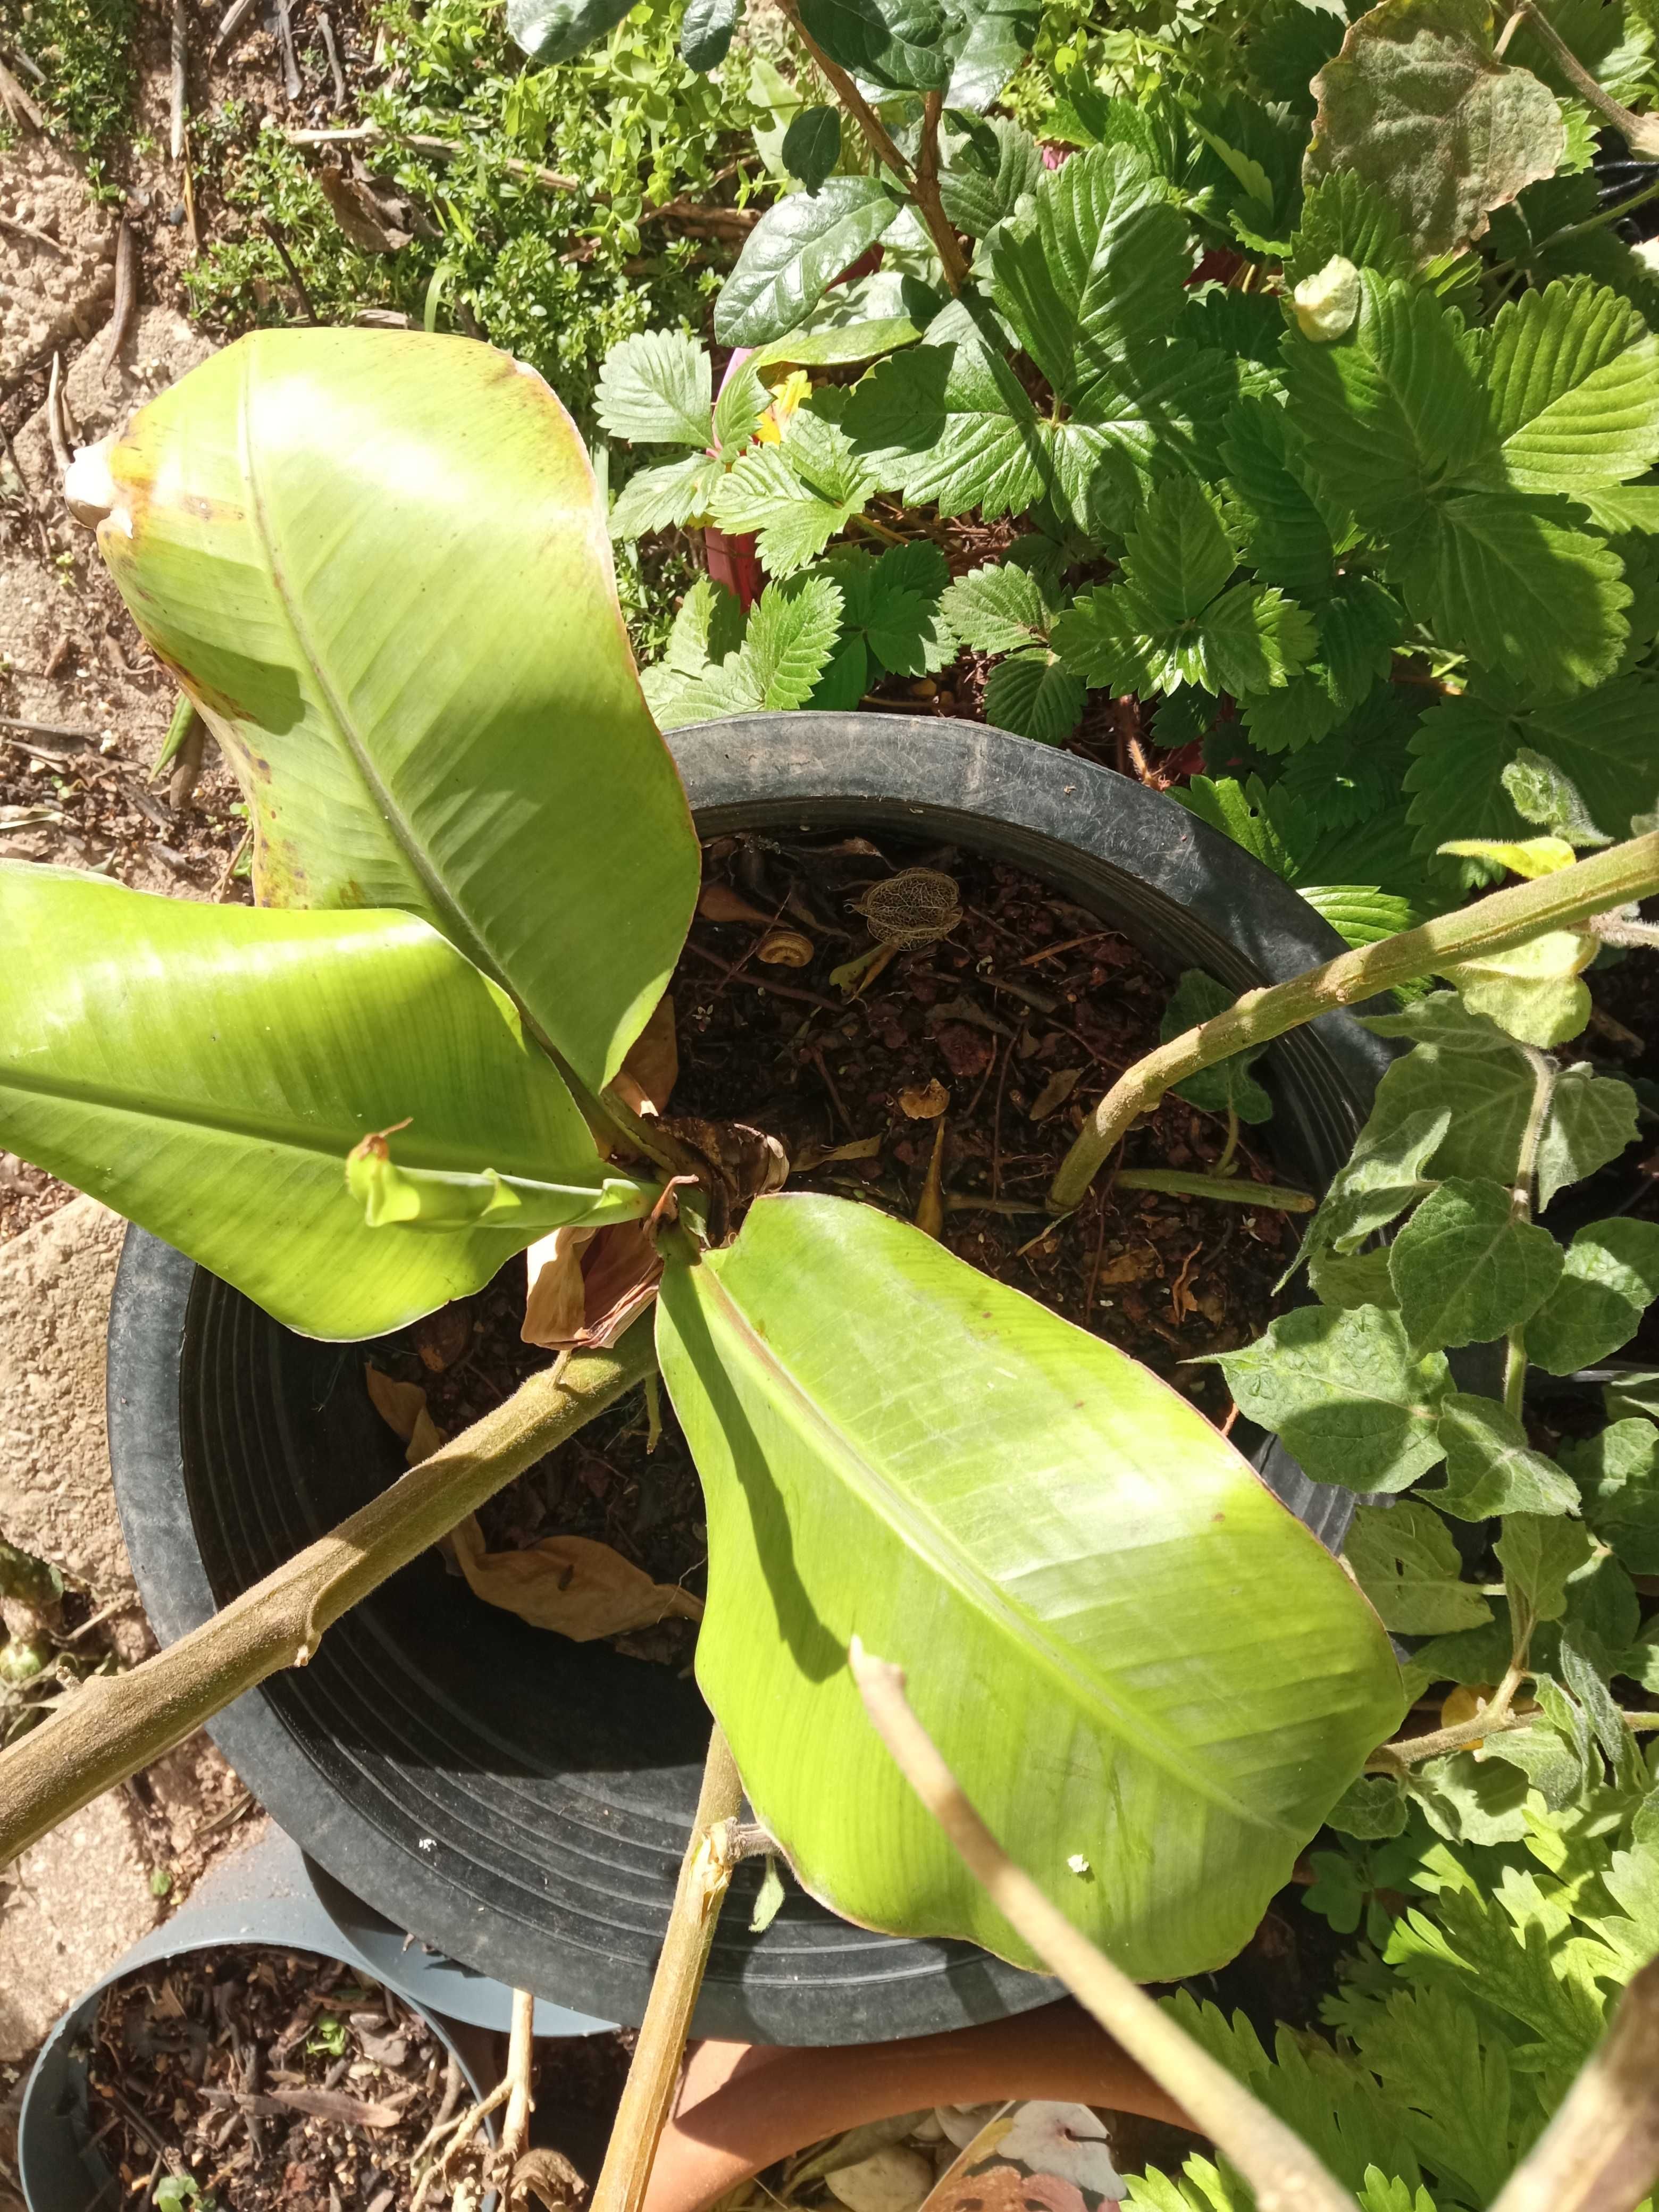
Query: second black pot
point(520, 1801)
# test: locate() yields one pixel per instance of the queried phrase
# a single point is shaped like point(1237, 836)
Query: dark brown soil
point(273, 2078)
point(1025, 989)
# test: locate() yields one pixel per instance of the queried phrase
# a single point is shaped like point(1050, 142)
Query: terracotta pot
point(741, 2105)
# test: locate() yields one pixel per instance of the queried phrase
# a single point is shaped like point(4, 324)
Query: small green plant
point(330, 2038)
point(84, 51)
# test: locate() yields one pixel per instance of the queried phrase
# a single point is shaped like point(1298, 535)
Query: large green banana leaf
point(378, 562)
point(1151, 1679)
point(205, 1070)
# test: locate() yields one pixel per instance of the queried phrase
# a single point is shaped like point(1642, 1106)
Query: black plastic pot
point(521, 1801)
point(263, 1897)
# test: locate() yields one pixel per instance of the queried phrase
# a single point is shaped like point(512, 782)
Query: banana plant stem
point(1497, 923)
point(716, 1846)
point(115, 1724)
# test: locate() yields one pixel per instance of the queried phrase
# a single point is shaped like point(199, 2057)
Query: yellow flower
point(785, 399)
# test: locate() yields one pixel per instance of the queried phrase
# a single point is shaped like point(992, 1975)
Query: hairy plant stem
point(1284, 2174)
point(1411, 1750)
point(875, 130)
point(1521, 1197)
point(1495, 924)
point(714, 1850)
point(115, 1724)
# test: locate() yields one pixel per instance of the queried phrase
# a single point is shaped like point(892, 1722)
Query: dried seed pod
point(918, 906)
point(784, 948)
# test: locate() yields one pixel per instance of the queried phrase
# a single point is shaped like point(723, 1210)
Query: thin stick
point(1231, 1190)
point(875, 130)
point(34, 237)
point(331, 47)
point(126, 292)
point(1280, 2167)
point(179, 51)
point(234, 17)
point(50, 730)
point(447, 150)
point(60, 452)
point(1495, 924)
point(17, 102)
point(287, 260)
point(1601, 2152)
point(706, 1871)
point(291, 82)
point(116, 1724)
point(1640, 132)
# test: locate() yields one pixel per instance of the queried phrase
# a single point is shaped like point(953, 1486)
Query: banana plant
point(377, 564)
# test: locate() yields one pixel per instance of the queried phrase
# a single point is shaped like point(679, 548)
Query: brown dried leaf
point(370, 224)
point(718, 903)
point(442, 1337)
point(570, 1584)
point(1138, 1265)
point(820, 1156)
point(1055, 1092)
point(400, 1405)
point(550, 2177)
point(925, 1102)
point(335, 2105)
point(652, 1066)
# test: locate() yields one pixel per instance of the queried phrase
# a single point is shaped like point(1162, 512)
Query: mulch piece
point(273, 2078)
point(1026, 995)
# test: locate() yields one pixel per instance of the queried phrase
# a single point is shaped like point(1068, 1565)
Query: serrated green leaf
point(1393, 411)
point(811, 145)
point(999, 609)
point(1573, 371)
point(1509, 579)
point(1538, 1553)
point(743, 400)
point(553, 30)
point(1229, 1085)
point(1344, 1391)
point(1416, 103)
point(1344, 218)
point(1286, 536)
point(1602, 741)
point(987, 176)
point(1239, 812)
point(1098, 273)
point(666, 497)
point(1610, 1278)
point(796, 249)
point(1405, 1560)
point(1466, 1269)
point(709, 624)
point(903, 46)
point(796, 495)
point(1179, 554)
point(656, 390)
point(1361, 914)
point(949, 421)
point(1035, 695)
point(1490, 1467)
point(791, 633)
point(706, 30)
point(1617, 1472)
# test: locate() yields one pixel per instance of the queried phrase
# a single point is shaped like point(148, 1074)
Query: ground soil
point(1012, 1022)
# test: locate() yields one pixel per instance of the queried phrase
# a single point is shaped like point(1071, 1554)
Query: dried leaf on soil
point(571, 1584)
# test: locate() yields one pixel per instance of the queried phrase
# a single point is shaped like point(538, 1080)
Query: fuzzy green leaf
point(1466, 1269)
point(837, 346)
point(1035, 695)
point(1602, 741)
point(1491, 1467)
point(1344, 1391)
point(1417, 103)
point(1619, 1474)
point(1533, 990)
point(1538, 1553)
point(1610, 1278)
point(796, 250)
point(1471, 1802)
point(1350, 1279)
point(1405, 1560)
point(1372, 1808)
point(1383, 1175)
point(1229, 1085)
point(654, 389)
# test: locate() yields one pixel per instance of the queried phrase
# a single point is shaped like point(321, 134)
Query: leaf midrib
point(955, 1566)
point(450, 918)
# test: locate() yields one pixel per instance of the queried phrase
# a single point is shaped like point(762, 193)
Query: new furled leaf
point(846, 1497)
